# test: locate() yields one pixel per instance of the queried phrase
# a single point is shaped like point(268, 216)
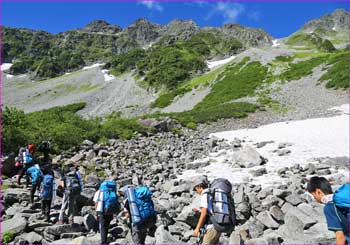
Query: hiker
point(139, 211)
point(71, 183)
point(106, 204)
point(24, 161)
point(36, 175)
point(47, 194)
point(217, 212)
point(45, 148)
point(336, 209)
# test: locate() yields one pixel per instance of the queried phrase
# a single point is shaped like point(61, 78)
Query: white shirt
point(206, 202)
point(98, 198)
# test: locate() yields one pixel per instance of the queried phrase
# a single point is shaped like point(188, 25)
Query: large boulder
point(29, 238)
point(187, 215)
point(164, 237)
point(12, 196)
point(16, 225)
point(8, 165)
point(266, 219)
point(86, 197)
point(247, 157)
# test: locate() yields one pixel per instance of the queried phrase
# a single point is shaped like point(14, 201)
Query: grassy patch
point(7, 237)
point(284, 58)
point(337, 75)
point(166, 99)
point(235, 83)
point(311, 41)
point(87, 87)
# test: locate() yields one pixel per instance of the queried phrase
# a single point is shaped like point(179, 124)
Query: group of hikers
point(216, 211)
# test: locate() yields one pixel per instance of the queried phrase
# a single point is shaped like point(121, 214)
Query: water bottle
point(134, 211)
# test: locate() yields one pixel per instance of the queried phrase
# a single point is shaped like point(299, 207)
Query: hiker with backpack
point(36, 175)
point(45, 149)
point(24, 161)
point(336, 209)
point(71, 184)
point(107, 205)
point(217, 212)
point(139, 211)
point(47, 194)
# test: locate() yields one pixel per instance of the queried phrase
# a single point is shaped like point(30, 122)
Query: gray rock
point(164, 237)
point(197, 164)
point(283, 152)
point(157, 168)
point(286, 207)
point(281, 193)
point(319, 234)
point(176, 190)
point(71, 235)
point(16, 225)
point(88, 143)
point(256, 241)
point(12, 196)
point(248, 157)
point(86, 197)
point(77, 158)
point(304, 219)
point(294, 199)
point(259, 172)
point(90, 155)
point(277, 213)
point(187, 215)
point(103, 153)
point(266, 219)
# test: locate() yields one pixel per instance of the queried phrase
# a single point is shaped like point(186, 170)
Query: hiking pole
point(200, 236)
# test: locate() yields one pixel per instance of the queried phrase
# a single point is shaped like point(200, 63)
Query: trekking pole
point(200, 236)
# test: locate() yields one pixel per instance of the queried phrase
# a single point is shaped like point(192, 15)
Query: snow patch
point(107, 76)
point(5, 66)
point(334, 28)
point(212, 64)
point(309, 139)
point(93, 66)
point(9, 76)
point(275, 43)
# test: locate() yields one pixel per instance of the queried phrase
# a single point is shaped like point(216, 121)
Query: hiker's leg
point(63, 207)
point(32, 192)
point(138, 234)
point(212, 236)
point(20, 175)
point(47, 209)
point(104, 221)
point(72, 202)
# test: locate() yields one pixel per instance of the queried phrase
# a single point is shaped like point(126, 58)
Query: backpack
point(144, 204)
point(46, 187)
point(45, 146)
point(24, 157)
point(224, 214)
point(35, 174)
point(341, 199)
point(110, 198)
point(72, 183)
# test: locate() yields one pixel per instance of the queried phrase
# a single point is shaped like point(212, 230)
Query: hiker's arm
point(339, 238)
point(201, 221)
point(62, 184)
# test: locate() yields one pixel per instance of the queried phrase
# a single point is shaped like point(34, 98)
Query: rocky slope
point(273, 214)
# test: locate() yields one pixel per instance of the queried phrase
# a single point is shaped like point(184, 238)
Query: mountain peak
point(101, 26)
point(336, 21)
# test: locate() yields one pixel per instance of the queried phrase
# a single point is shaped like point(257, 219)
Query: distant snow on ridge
point(275, 43)
point(93, 66)
point(213, 64)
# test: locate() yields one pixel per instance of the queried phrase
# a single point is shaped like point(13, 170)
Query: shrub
point(7, 237)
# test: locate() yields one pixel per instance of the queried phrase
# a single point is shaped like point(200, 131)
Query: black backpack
point(224, 214)
point(72, 183)
point(45, 146)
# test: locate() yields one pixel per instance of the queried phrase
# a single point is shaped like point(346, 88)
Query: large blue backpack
point(46, 187)
point(35, 173)
point(144, 203)
point(110, 198)
point(341, 199)
point(25, 157)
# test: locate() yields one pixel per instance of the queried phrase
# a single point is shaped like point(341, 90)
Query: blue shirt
point(335, 219)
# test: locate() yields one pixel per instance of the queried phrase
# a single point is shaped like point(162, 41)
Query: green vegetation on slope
point(337, 76)
point(311, 41)
point(62, 126)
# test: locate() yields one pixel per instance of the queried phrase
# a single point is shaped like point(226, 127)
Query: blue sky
point(280, 19)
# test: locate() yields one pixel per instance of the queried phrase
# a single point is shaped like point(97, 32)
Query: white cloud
point(254, 15)
point(229, 11)
point(152, 5)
